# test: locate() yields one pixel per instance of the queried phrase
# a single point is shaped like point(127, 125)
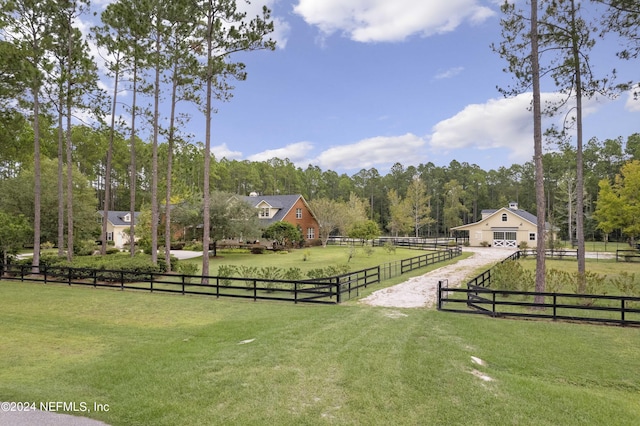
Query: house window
point(311, 233)
point(532, 236)
point(504, 217)
point(264, 212)
point(298, 213)
point(109, 236)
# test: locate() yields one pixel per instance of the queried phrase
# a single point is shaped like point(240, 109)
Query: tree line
point(183, 52)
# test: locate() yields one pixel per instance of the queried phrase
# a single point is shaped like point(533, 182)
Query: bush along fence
point(505, 301)
point(263, 286)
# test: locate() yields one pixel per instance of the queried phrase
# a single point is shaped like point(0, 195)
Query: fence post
point(151, 283)
point(493, 304)
point(69, 276)
point(439, 295)
point(554, 306)
point(295, 292)
point(622, 310)
point(122, 280)
point(255, 290)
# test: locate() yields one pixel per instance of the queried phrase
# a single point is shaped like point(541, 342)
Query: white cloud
point(295, 152)
point(500, 123)
point(386, 20)
point(223, 151)
point(373, 152)
point(450, 73)
point(633, 100)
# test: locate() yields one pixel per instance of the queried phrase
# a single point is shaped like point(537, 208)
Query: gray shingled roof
point(522, 213)
point(117, 217)
point(282, 202)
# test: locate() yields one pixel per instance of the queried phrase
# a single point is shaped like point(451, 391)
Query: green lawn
point(598, 246)
point(316, 257)
point(169, 360)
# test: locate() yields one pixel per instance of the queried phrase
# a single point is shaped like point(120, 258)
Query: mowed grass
point(596, 246)
point(309, 258)
point(605, 267)
point(176, 360)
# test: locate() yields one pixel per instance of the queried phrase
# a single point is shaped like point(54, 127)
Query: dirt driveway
point(419, 292)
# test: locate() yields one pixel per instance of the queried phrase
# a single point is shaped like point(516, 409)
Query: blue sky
point(358, 84)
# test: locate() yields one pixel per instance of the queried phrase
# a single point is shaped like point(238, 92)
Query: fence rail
point(478, 298)
point(623, 310)
point(330, 290)
point(627, 256)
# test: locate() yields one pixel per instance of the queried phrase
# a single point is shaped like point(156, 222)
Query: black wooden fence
point(478, 298)
point(326, 290)
point(627, 256)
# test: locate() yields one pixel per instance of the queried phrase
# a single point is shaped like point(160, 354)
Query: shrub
point(177, 245)
point(389, 247)
point(368, 250)
point(510, 275)
point(591, 284)
point(626, 284)
point(556, 280)
point(293, 274)
point(247, 272)
point(484, 244)
point(226, 271)
point(188, 269)
point(47, 245)
point(306, 254)
point(317, 242)
point(257, 250)
point(193, 246)
point(84, 248)
point(316, 273)
point(270, 273)
point(523, 245)
point(328, 271)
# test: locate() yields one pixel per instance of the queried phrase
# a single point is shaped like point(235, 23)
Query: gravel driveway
point(421, 292)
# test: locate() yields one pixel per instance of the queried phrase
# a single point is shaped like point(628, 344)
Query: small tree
point(417, 203)
point(329, 214)
point(364, 230)
point(618, 206)
point(284, 234)
point(14, 232)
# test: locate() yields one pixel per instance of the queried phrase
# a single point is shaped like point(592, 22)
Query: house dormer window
point(127, 218)
point(264, 212)
point(504, 217)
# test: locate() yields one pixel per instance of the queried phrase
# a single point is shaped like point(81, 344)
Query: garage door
point(504, 239)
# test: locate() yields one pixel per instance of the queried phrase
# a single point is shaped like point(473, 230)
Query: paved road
point(42, 418)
